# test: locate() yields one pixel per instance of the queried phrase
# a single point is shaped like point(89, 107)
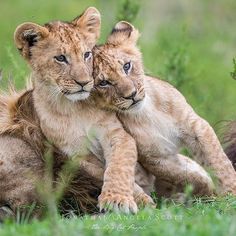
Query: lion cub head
point(59, 53)
point(118, 69)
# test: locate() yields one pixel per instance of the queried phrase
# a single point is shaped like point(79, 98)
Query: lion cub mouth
point(66, 92)
point(76, 95)
point(136, 105)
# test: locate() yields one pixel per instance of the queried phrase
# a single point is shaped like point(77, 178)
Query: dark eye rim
point(106, 81)
point(61, 58)
point(89, 55)
point(127, 69)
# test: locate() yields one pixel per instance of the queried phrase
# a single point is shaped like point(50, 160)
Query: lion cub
point(60, 56)
point(157, 115)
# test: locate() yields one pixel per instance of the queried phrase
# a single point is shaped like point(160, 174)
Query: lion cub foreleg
point(120, 154)
point(143, 180)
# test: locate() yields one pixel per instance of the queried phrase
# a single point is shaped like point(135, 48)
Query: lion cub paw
point(144, 200)
point(117, 203)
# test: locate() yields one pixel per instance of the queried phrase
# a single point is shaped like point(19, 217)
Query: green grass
point(190, 43)
point(214, 218)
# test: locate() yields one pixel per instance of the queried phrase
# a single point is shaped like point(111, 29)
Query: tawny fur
point(158, 116)
point(22, 165)
point(21, 151)
point(59, 55)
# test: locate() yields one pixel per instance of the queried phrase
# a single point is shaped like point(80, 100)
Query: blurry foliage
point(128, 10)
point(47, 193)
point(51, 191)
point(176, 59)
point(233, 73)
point(174, 69)
point(24, 214)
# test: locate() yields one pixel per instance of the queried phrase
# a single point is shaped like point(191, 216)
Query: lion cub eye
point(127, 67)
point(87, 55)
point(104, 83)
point(61, 58)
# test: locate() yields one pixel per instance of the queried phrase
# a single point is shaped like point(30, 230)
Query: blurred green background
point(190, 43)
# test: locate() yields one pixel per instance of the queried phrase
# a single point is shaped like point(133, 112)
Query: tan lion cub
point(156, 115)
point(60, 56)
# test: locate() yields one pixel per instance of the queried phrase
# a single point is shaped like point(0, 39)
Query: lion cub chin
point(158, 117)
point(60, 56)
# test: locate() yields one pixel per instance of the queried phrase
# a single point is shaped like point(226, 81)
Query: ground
point(212, 218)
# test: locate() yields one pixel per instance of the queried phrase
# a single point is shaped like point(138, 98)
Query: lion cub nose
point(81, 83)
point(131, 96)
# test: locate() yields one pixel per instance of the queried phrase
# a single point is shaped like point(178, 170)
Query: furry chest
point(73, 136)
point(156, 135)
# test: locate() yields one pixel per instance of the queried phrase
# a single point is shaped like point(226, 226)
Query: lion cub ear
point(89, 25)
point(27, 35)
point(123, 33)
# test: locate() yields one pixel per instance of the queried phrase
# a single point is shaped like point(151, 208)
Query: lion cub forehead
point(110, 56)
point(65, 32)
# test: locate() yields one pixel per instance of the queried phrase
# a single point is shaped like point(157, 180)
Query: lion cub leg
point(142, 187)
point(175, 172)
point(120, 154)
